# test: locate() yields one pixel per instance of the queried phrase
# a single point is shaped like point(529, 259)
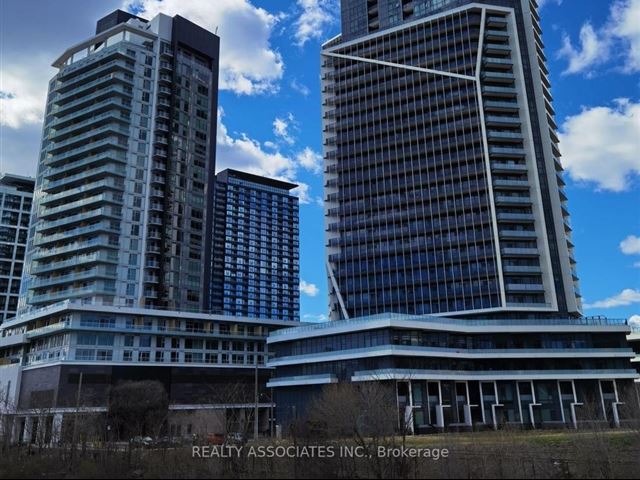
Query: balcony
point(81, 217)
point(82, 138)
point(84, 87)
point(508, 167)
point(64, 85)
point(496, 35)
point(524, 287)
point(507, 92)
point(505, 136)
point(93, 108)
point(48, 185)
point(81, 204)
point(76, 232)
point(516, 184)
point(108, 183)
point(518, 234)
point(498, 77)
point(99, 242)
point(515, 217)
point(506, 152)
point(498, 106)
point(89, 124)
point(50, 297)
point(496, 49)
point(524, 252)
point(512, 200)
point(151, 293)
point(73, 71)
point(72, 107)
point(528, 305)
point(501, 120)
point(95, 257)
point(109, 142)
point(522, 269)
point(96, 272)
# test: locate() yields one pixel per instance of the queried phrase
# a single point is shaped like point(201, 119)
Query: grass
point(540, 438)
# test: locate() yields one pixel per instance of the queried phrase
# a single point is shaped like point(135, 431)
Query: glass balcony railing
point(111, 128)
point(108, 183)
point(103, 242)
point(110, 102)
point(69, 234)
point(429, 319)
point(75, 127)
point(103, 256)
point(81, 217)
point(116, 142)
point(92, 273)
point(72, 292)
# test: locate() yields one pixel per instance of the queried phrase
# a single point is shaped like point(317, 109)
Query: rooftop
point(362, 323)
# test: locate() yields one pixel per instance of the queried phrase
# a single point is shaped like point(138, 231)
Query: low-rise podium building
point(462, 373)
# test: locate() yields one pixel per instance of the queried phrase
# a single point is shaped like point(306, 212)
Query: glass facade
point(443, 190)
point(16, 196)
point(127, 155)
point(469, 378)
point(255, 271)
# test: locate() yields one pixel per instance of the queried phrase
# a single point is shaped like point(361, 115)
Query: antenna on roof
point(216, 32)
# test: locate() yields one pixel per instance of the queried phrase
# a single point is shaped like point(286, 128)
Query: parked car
point(142, 441)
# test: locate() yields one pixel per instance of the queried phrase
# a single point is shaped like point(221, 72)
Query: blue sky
point(270, 113)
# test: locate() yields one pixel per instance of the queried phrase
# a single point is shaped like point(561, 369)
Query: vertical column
point(56, 428)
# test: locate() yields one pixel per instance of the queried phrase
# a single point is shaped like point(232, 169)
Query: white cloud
point(314, 318)
point(618, 37)
point(542, 3)
point(282, 126)
point(301, 88)
point(628, 296)
point(308, 288)
point(23, 94)
point(245, 153)
point(634, 320)
point(302, 191)
point(242, 152)
point(625, 25)
point(248, 63)
point(602, 145)
point(630, 245)
point(313, 20)
point(593, 50)
point(310, 160)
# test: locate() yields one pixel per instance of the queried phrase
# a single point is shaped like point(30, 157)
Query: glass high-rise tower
point(16, 194)
point(125, 175)
point(256, 245)
point(443, 180)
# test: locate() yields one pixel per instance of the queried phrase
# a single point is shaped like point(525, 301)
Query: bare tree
point(138, 408)
point(7, 409)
